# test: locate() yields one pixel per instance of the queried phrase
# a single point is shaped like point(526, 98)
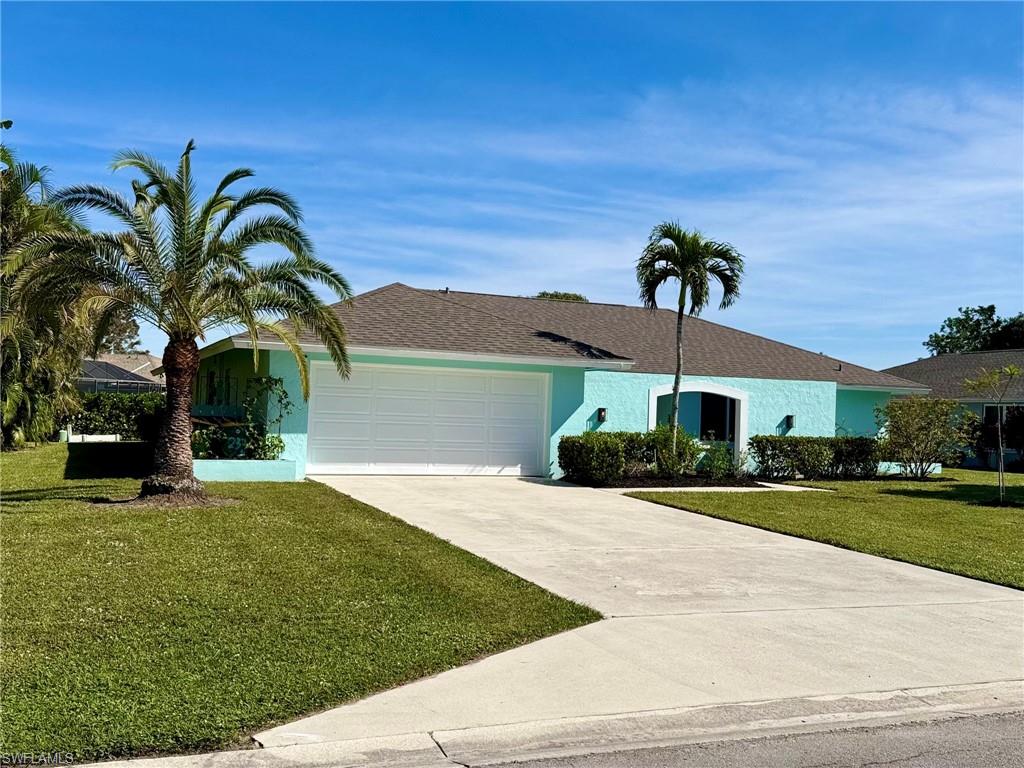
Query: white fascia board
point(896, 390)
point(244, 343)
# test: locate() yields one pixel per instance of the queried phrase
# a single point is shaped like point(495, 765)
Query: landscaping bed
point(135, 631)
point(682, 481)
point(946, 523)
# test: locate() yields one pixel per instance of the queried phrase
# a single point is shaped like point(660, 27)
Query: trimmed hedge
point(600, 458)
point(132, 416)
point(593, 458)
point(783, 457)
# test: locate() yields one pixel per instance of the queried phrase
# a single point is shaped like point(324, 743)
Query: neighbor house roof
point(400, 317)
point(122, 367)
point(946, 374)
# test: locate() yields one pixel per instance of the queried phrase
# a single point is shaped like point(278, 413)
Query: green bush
point(923, 431)
point(593, 458)
point(718, 462)
point(666, 463)
point(132, 416)
point(784, 457)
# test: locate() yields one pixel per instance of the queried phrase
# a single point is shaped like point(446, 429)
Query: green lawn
point(130, 631)
point(938, 523)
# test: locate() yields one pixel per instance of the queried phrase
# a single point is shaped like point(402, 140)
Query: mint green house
point(447, 383)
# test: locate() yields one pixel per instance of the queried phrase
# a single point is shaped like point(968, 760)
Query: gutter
point(233, 342)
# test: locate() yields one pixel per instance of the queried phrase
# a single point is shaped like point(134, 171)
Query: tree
point(562, 296)
point(994, 385)
point(977, 329)
point(122, 336)
point(40, 347)
point(184, 267)
point(920, 432)
point(687, 257)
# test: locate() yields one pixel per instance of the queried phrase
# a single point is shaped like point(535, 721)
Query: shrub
point(718, 462)
point(784, 457)
point(666, 463)
point(132, 416)
point(922, 431)
point(593, 458)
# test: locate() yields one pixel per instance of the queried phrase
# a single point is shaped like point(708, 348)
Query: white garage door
point(408, 420)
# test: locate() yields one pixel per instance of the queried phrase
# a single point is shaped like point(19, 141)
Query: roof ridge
point(440, 296)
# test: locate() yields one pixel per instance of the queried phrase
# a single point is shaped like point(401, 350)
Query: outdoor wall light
point(790, 420)
point(602, 415)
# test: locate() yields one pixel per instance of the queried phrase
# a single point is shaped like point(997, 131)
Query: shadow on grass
point(88, 493)
point(976, 495)
point(94, 461)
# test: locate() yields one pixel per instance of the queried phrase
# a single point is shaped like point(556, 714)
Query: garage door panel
point(395, 420)
point(516, 385)
point(460, 409)
point(460, 383)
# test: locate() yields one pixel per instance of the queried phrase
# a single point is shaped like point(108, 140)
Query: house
point(945, 375)
point(121, 373)
point(447, 382)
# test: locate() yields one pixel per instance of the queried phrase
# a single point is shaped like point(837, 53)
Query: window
point(717, 417)
point(991, 416)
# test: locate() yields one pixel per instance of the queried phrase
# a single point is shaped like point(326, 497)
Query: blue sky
point(866, 158)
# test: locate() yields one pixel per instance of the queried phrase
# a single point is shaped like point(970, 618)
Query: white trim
point(545, 437)
point(742, 398)
point(895, 390)
point(428, 354)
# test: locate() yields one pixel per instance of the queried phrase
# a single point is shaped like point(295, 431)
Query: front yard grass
point(941, 523)
point(132, 631)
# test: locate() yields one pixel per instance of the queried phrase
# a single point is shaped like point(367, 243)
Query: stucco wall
point(577, 394)
point(855, 411)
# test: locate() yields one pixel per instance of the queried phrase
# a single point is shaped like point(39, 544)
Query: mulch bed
point(686, 481)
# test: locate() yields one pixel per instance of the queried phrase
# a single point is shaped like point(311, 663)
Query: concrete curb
point(490, 745)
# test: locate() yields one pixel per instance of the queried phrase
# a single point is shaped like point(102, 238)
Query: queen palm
point(694, 262)
point(184, 267)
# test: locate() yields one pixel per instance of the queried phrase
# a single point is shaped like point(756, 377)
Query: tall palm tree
point(40, 347)
point(674, 253)
point(184, 267)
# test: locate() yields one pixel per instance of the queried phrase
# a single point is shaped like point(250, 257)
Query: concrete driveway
point(702, 615)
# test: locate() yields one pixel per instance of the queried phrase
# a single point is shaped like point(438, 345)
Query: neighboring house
point(445, 382)
point(945, 376)
point(121, 373)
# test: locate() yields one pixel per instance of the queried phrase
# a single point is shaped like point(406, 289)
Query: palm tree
point(674, 253)
point(184, 267)
point(40, 348)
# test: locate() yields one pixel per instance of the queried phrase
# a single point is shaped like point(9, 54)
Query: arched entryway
point(705, 408)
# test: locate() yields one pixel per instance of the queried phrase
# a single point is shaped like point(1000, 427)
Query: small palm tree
point(674, 253)
point(183, 267)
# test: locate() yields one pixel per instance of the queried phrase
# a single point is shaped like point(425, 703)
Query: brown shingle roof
point(945, 374)
point(709, 349)
point(397, 315)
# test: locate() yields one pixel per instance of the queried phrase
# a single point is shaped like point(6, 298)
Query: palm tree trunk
point(673, 415)
point(172, 459)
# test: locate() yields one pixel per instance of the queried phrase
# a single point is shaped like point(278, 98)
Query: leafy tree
point(995, 385)
point(122, 336)
point(694, 262)
point(919, 432)
point(184, 266)
point(562, 296)
point(977, 329)
point(40, 346)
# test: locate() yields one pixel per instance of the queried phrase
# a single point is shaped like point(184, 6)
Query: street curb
point(671, 727)
point(490, 745)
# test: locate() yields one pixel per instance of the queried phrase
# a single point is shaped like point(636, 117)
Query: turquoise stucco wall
point(813, 403)
point(577, 394)
point(855, 411)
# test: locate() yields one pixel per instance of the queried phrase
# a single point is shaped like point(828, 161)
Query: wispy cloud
point(866, 214)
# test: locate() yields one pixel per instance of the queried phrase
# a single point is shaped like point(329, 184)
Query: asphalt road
point(989, 741)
